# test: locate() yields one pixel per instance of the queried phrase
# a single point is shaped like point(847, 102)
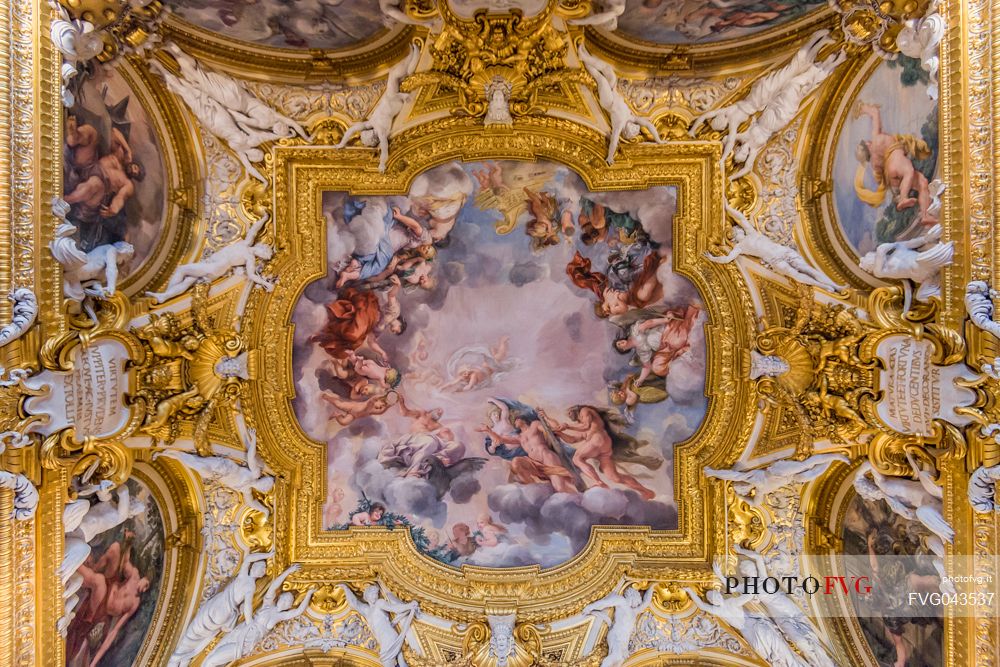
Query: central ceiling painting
point(500, 359)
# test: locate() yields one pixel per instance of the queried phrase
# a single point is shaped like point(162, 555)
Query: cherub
point(542, 228)
point(346, 412)
point(370, 518)
point(490, 178)
point(474, 367)
point(489, 533)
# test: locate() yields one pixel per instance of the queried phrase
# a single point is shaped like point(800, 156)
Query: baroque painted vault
point(499, 332)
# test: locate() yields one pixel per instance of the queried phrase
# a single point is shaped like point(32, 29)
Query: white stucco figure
point(754, 485)
point(239, 642)
point(919, 260)
point(921, 39)
point(782, 609)
point(389, 620)
point(375, 129)
point(240, 255)
point(625, 124)
point(627, 606)
point(607, 18)
point(83, 522)
point(83, 272)
point(749, 242)
point(760, 632)
point(983, 489)
point(77, 42)
point(979, 304)
point(781, 109)
point(914, 500)
point(222, 611)
point(25, 495)
point(244, 479)
point(774, 96)
point(227, 109)
point(23, 316)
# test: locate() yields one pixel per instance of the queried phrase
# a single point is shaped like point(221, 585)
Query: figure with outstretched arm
point(628, 606)
point(389, 632)
point(624, 123)
point(375, 129)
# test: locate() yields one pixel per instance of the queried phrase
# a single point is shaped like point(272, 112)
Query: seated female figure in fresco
point(657, 341)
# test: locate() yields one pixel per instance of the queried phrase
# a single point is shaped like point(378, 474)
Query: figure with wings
point(547, 220)
point(598, 435)
point(539, 455)
point(476, 367)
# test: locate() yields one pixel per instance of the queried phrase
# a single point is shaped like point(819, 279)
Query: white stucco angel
point(221, 611)
point(983, 489)
point(749, 242)
point(915, 500)
point(375, 129)
point(241, 255)
point(764, 92)
point(83, 272)
point(84, 521)
point(25, 495)
point(754, 485)
point(223, 470)
point(919, 260)
point(227, 109)
point(979, 304)
point(241, 640)
point(780, 111)
point(625, 124)
point(388, 618)
point(23, 316)
point(921, 39)
point(628, 606)
point(607, 18)
point(760, 632)
point(782, 609)
point(77, 41)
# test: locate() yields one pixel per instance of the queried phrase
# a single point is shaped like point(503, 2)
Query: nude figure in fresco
point(347, 412)
point(540, 463)
point(596, 435)
point(891, 157)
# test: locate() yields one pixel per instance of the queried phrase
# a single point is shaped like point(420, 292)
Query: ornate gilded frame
point(301, 174)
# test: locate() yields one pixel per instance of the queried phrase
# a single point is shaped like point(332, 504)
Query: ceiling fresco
point(693, 22)
point(486, 333)
point(299, 24)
